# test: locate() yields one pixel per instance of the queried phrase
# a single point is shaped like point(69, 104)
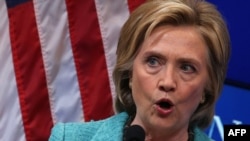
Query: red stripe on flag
point(133, 4)
point(29, 71)
point(89, 58)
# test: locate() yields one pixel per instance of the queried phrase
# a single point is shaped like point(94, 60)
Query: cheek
point(142, 86)
point(191, 97)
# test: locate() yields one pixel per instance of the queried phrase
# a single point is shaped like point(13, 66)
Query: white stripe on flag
point(111, 15)
point(64, 93)
point(11, 128)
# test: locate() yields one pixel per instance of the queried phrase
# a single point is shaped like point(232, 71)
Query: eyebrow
point(154, 53)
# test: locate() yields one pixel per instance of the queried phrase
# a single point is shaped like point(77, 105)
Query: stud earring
point(130, 85)
point(203, 99)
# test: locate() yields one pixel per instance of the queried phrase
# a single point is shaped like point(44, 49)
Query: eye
point(153, 61)
point(187, 68)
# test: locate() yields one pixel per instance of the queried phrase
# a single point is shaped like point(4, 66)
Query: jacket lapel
point(112, 129)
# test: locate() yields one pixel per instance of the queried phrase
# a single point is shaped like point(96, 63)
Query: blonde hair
point(198, 13)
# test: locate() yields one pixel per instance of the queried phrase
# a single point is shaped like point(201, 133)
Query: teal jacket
point(110, 129)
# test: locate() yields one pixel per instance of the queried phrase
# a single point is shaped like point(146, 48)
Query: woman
point(172, 59)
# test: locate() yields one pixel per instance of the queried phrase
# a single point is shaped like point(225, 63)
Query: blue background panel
point(237, 16)
point(233, 107)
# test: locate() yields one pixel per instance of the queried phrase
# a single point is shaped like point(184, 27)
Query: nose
point(167, 81)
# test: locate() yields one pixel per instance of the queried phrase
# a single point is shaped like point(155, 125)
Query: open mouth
point(164, 104)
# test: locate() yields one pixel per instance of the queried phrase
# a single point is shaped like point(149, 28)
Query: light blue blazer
point(110, 129)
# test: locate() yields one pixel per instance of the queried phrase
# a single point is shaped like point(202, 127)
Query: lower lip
point(162, 111)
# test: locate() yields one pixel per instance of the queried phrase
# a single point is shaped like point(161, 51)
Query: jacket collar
point(112, 128)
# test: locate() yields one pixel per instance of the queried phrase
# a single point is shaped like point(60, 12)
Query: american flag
point(56, 63)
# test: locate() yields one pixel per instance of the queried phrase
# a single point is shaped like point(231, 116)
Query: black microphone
point(134, 133)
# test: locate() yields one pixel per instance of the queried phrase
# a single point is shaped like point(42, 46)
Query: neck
point(180, 136)
point(155, 134)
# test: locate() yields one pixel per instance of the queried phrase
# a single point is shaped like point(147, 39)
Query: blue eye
point(152, 61)
point(188, 68)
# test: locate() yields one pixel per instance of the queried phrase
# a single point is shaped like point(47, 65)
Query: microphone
point(134, 133)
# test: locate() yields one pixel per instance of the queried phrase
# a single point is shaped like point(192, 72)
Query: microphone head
point(134, 133)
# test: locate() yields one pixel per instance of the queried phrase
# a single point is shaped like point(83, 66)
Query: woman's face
point(168, 78)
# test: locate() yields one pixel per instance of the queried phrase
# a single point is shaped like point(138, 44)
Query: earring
point(203, 99)
point(130, 85)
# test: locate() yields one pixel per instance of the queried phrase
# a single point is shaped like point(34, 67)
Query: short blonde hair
point(197, 13)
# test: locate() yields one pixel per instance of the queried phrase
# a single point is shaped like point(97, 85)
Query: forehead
point(187, 34)
point(190, 33)
point(182, 40)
